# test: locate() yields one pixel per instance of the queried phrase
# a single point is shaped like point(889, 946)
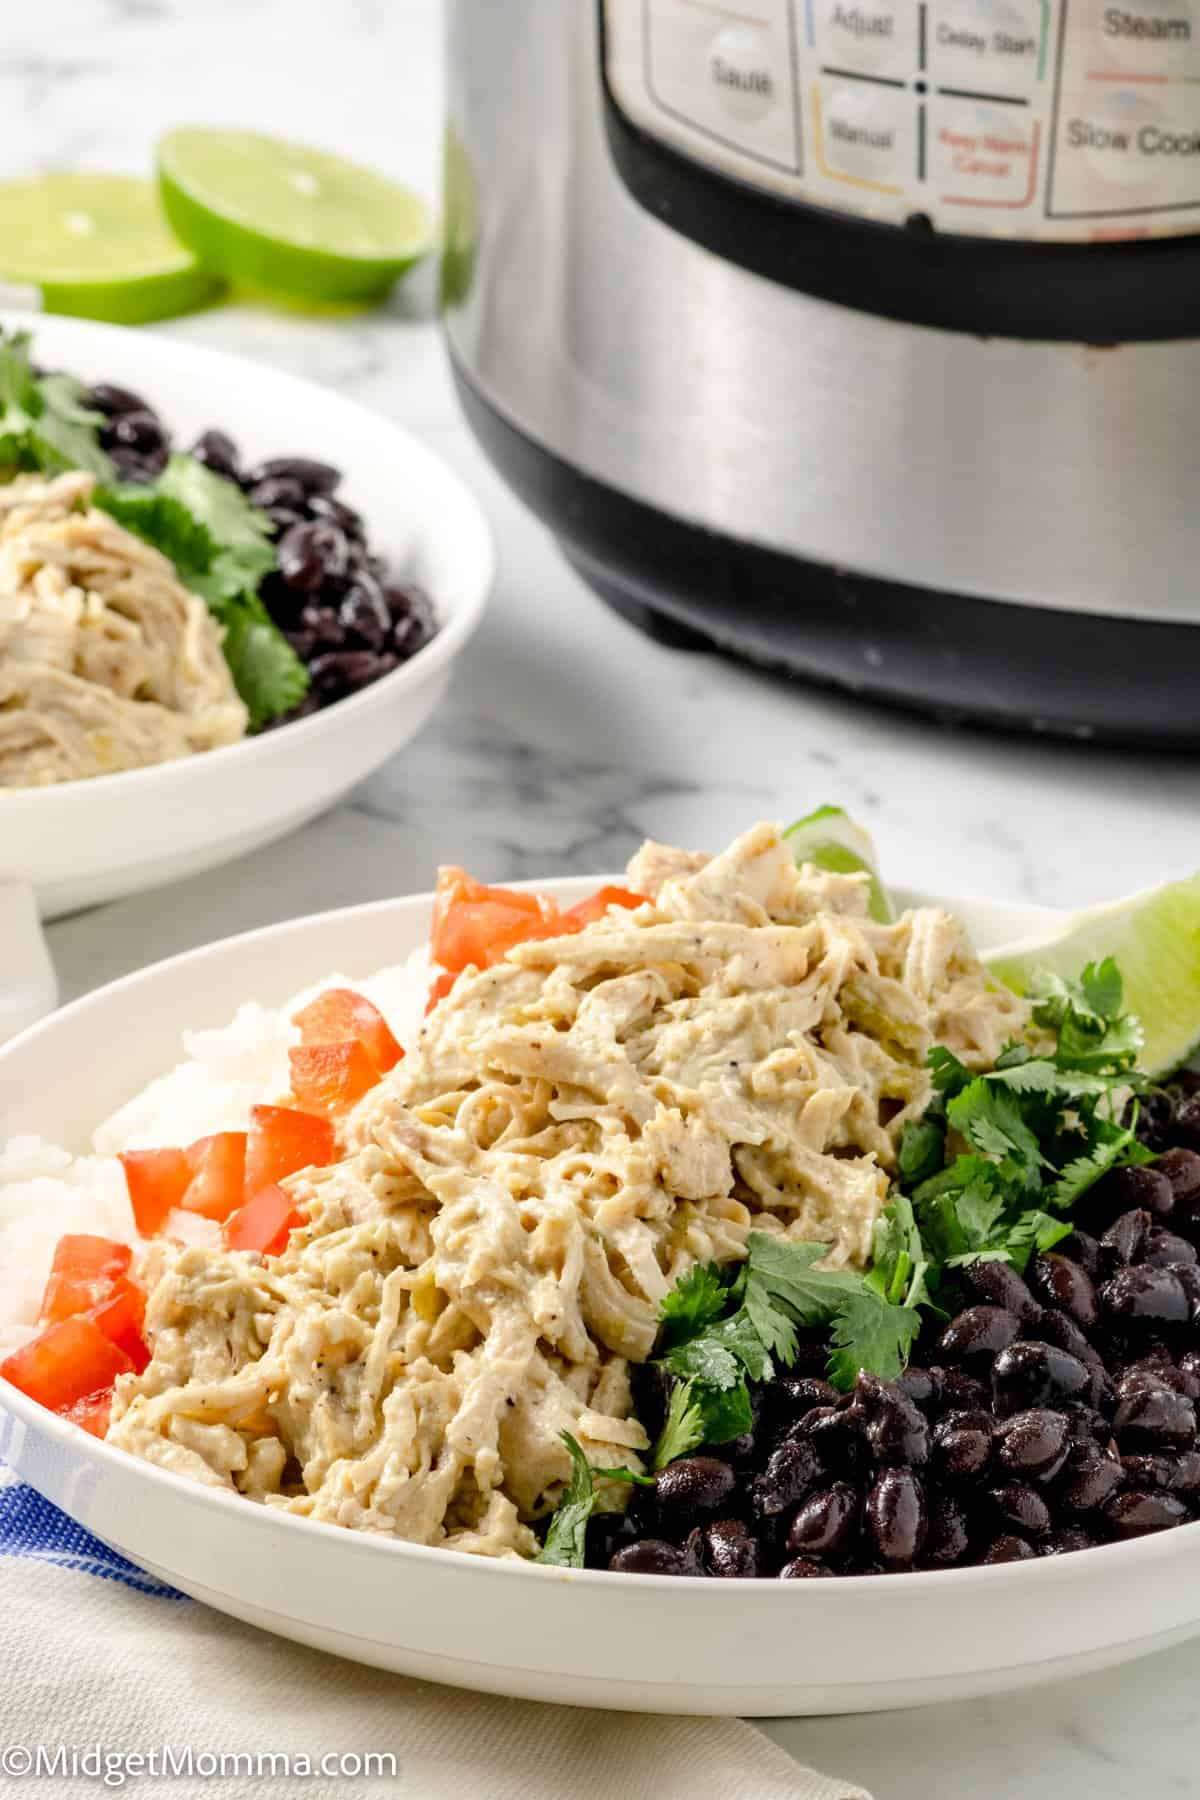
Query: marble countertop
point(567, 737)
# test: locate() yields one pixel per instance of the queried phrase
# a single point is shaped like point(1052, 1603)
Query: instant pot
point(860, 337)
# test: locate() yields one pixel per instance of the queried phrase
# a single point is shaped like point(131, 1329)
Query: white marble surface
point(567, 737)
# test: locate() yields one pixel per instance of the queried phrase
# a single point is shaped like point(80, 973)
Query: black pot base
point(956, 657)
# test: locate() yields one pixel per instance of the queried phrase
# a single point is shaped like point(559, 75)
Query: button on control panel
point(1067, 120)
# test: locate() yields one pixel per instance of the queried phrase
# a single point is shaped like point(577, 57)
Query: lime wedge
point(832, 840)
point(286, 218)
point(1155, 938)
point(99, 247)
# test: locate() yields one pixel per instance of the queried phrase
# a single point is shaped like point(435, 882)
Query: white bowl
point(83, 842)
point(649, 1644)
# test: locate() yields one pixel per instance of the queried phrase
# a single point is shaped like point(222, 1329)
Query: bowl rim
point(456, 622)
point(1135, 1552)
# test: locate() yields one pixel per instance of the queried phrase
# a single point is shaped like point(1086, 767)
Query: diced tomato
point(339, 1016)
point(92, 1412)
point(283, 1140)
point(157, 1181)
point(331, 1078)
point(68, 1361)
point(82, 1275)
point(264, 1223)
point(441, 987)
point(477, 924)
point(120, 1318)
point(218, 1166)
point(596, 905)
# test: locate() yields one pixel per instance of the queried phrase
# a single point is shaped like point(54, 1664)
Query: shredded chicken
point(106, 661)
point(574, 1129)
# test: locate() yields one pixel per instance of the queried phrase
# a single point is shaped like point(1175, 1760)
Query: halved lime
point(287, 218)
point(1155, 938)
point(99, 247)
point(832, 840)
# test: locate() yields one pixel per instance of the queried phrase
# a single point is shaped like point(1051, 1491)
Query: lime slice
point(832, 840)
point(286, 218)
point(99, 247)
point(1155, 938)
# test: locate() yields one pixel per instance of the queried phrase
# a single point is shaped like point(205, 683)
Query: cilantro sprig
point(998, 1160)
point(725, 1327)
point(221, 549)
point(566, 1538)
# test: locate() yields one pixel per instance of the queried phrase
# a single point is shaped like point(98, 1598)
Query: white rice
point(45, 1191)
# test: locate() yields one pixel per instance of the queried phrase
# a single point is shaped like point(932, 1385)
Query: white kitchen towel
point(100, 1664)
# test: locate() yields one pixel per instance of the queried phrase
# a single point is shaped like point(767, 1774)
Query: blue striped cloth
point(31, 1528)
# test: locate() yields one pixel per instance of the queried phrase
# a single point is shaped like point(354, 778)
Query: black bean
point(217, 452)
point(1189, 1369)
point(789, 1397)
point(958, 1391)
point(341, 672)
point(1163, 1247)
point(279, 491)
point(1185, 1474)
point(606, 1534)
point(836, 1435)
point(1034, 1443)
point(1086, 1251)
point(325, 626)
point(105, 397)
point(728, 1550)
point(336, 512)
point(1022, 1507)
point(1187, 1121)
point(1150, 1469)
point(132, 467)
point(363, 613)
point(1182, 1169)
point(304, 643)
point(141, 432)
point(792, 1469)
point(1125, 1239)
point(948, 1536)
point(825, 1523)
point(694, 1488)
point(895, 1518)
point(896, 1428)
point(1188, 1276)
point(413, 624)
point(311, 477)
point(1137, 1296)
point(803, 1568)
point(1059, 1282)
point(651, 1557)
point(977, 1334)
point(962, 1444)
point(1140, 1187)
point(1036, 1374)
point(283, 519)
point(998, 1284)
point(1089, 1479)
point(1155, 1419)
point(311, 555)
point(1067, 1538)
point(920, 1386)
point(1008, 1548)
point(1140, 1510)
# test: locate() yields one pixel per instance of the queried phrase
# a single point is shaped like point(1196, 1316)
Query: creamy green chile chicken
point(573, 1130)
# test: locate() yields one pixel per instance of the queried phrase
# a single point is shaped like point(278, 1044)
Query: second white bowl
point(83, 842)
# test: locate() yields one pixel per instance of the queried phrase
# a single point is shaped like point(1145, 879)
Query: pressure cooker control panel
point(1064, 120)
